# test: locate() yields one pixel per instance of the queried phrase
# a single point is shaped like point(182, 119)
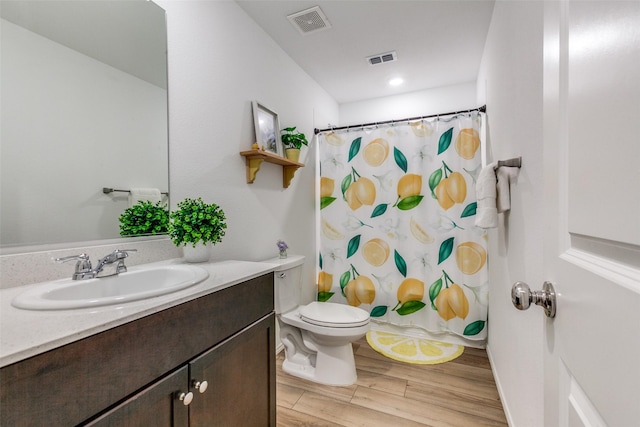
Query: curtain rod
point(482, 109)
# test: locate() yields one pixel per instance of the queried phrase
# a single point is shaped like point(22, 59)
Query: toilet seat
point(333, 315)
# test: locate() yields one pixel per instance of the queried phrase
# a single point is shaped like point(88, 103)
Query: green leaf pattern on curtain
point(408, 259)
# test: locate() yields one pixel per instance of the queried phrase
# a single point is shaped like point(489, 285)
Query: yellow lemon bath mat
point(412, 350)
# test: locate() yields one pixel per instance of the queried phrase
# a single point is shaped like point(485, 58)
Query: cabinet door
point(157, 406)
point(240, 373)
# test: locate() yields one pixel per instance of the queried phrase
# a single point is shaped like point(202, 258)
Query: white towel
point(506, 175)
point(144, 194)
point(486, 213)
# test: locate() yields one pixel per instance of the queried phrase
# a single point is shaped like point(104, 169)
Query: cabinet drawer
point(72, 383)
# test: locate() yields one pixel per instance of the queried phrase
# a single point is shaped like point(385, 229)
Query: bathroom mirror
point(84, 106)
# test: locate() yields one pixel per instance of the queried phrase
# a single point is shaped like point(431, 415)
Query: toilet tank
point(288, 282)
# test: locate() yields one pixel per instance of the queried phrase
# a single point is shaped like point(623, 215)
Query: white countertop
point(26, 333)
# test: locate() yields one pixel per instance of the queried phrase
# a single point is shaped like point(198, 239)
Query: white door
point(592, 200)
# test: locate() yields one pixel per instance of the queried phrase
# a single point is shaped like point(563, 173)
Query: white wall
point(219, 61)
point(510, 83)
point(92, 124)
point(420, 103)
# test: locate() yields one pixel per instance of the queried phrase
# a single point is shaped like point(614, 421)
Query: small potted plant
point(197, 226)
point(293, 140)
point(144, 218)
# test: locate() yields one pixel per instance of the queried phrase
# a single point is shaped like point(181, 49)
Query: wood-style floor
point(460, 393)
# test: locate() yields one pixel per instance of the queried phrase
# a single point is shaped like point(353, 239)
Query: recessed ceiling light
point(396, 81)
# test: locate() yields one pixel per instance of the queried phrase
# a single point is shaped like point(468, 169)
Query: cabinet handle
point(201, 386)
point(185, 398)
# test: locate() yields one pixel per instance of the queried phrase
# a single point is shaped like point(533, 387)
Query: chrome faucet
point(84, 271)
point(115, 256)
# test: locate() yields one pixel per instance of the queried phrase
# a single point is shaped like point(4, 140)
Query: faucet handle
point(82, 264)
point(72, 258)
point(123, 253)
point(116, 255)
point(120, 255)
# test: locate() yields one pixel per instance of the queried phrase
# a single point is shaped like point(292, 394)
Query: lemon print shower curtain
point(397, 210)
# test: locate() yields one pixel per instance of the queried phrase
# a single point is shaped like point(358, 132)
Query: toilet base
point(334, 366)
point(324, 364)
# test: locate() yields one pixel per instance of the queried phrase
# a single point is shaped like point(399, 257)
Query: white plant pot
point(201, 253)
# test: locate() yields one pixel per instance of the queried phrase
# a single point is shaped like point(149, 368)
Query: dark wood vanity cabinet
point(237, 372)
point(134, 374)
point(155, 406)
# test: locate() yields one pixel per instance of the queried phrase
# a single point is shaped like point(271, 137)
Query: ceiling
point(438, 43)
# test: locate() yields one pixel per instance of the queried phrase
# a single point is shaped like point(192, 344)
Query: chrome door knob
point(522, 297)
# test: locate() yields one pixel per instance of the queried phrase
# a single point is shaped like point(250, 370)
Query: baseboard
point(496, 378)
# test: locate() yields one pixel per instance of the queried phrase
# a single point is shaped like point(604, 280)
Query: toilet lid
point(333, 315)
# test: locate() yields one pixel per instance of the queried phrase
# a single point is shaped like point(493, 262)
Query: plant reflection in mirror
point(144, 218)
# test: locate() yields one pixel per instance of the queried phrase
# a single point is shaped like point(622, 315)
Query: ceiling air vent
point(382, 58)
point(309, 21)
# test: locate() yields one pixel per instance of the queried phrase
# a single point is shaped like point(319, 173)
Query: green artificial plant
point(144, 218)
point(196, 221)
point(291, 138)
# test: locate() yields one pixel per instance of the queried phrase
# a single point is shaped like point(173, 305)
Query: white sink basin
point(124, 287)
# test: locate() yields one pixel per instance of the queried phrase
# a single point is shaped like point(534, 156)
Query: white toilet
point(317, 337)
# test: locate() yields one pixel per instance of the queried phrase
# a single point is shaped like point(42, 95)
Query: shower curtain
point(397, 210)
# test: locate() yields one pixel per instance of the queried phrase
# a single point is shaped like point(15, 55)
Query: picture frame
point(267, 128)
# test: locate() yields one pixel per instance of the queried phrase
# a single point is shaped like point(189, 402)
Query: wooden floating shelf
point(254, 159)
